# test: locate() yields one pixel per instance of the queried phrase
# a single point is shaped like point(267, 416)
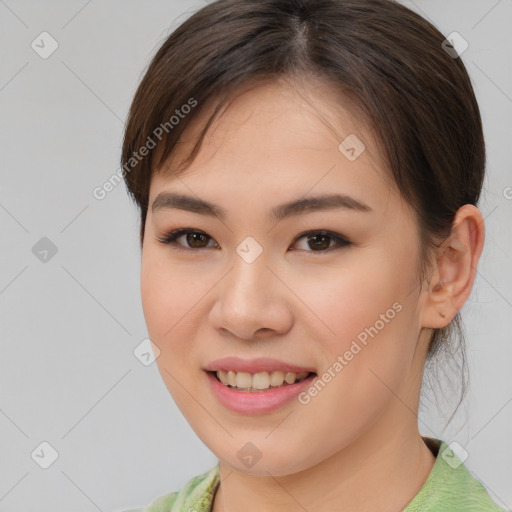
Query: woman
point(307, 174)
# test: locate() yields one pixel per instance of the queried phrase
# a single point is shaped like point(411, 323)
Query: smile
point(249, 400)
point(257, 382)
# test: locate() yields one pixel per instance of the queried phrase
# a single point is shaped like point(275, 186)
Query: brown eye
point(320, 241)
point(194, 239)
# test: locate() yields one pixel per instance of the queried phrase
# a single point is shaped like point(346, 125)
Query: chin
point(277, 465)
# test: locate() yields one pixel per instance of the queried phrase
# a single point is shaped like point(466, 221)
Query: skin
point(356, 445)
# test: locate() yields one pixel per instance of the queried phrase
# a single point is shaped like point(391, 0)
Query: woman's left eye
point(318, 241)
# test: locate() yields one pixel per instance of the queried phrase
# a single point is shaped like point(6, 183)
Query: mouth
point(259, 382)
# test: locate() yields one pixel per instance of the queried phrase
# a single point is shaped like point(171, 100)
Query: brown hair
point(416, 96)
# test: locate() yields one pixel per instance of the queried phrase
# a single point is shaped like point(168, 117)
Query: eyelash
point(171, 237)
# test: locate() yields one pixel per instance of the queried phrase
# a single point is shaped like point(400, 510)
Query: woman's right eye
point(193, 237)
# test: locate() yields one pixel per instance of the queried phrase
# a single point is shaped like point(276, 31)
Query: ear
point(454, 273)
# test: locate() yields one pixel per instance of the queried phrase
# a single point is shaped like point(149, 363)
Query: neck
point(375, 472)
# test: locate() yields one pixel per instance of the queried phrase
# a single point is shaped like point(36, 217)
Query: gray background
point(69, 326)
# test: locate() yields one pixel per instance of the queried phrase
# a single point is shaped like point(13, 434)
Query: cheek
point(365, 314)
point(158, 303)
point(173, 306)
point(344, 301)
point(170, 296)
point(168, 300)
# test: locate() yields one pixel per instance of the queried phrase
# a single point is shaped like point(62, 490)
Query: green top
point(449, 488)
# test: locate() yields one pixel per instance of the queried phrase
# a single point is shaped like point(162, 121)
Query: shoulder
point(197, 494)
point(450, 486)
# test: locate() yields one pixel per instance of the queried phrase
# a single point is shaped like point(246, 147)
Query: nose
point(252, 302)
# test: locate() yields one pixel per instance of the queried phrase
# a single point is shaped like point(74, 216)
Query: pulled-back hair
point(416, 97)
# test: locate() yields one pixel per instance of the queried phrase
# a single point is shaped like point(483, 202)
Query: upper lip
point(260, 364)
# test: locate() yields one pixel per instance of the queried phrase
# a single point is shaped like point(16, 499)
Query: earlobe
point(452, 280)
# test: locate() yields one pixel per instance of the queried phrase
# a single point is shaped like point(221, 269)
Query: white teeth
point(232, 378)
point(260, 380)
point(276, 378)
point(243, 380)
point(290, 377)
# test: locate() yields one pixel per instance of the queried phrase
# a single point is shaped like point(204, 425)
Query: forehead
point(288, 134)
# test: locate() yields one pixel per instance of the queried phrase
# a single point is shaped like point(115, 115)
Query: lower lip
point(261, 402)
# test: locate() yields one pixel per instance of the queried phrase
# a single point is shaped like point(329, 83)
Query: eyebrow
point(169, 200)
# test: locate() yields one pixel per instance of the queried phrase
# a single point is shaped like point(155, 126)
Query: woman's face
point(328, 286)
